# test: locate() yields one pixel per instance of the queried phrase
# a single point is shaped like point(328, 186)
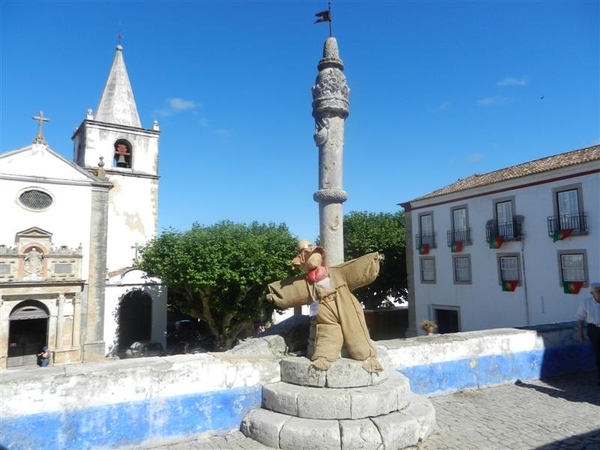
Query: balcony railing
point(425, 239)
point(511, 231)
point(576, 222)
point(462, 235)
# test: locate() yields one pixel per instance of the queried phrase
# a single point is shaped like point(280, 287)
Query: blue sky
point(439, 90)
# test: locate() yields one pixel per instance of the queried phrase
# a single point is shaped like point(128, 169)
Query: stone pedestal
point(344, 407)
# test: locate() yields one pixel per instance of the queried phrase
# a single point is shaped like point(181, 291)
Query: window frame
point(500, 257)
point(511, 223)
point(583, 253)
point(38, 189)
point(460, 234)
point(578, 187)
point(431, 237)
point(467, 257)
point(421, 260)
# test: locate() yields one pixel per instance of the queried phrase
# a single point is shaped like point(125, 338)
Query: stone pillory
point(330, 109)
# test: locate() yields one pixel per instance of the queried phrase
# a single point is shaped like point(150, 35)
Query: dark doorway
point(135, 318)
point(27, 333)
point(447, 320)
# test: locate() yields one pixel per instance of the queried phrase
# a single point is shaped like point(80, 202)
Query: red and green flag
point(457, 246)
point(496, 242)
point(424, 249)
point(559, 235)
point(509, 285)
point(572, 287)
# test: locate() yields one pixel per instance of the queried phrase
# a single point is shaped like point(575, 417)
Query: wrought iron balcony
point(463, 235)
point(577, 223)
point(511, 231)
point(425, 239)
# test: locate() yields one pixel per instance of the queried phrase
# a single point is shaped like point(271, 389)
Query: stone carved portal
point(134, 318)
point(28, 332)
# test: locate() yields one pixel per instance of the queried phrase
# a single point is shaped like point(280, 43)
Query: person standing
point(589, 312)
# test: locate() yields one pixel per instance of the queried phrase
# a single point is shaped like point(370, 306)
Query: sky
point(439, 90)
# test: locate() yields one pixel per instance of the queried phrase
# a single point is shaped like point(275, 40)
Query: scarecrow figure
point(339, 316)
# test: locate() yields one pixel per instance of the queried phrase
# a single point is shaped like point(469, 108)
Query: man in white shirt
point(589, 312)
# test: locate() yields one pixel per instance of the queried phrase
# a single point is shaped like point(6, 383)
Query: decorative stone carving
point(321, 131)
point(330, 196)
point(33, 266)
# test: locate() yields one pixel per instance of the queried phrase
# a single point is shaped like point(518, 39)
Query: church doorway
point(135, 318)
point(27, 333)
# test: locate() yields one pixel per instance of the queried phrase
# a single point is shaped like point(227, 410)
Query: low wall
point(484, 358)
point(127, 402)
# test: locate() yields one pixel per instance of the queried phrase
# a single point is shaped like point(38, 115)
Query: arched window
point(123, 154)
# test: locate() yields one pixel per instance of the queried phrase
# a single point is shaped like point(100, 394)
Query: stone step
point(343, 373)
point(396, 430)
point(345, 403)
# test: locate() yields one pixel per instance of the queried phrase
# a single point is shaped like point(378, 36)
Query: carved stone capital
point(330, 196)
point(330, 94)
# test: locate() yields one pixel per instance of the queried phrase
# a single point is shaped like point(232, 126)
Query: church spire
point(117, 104)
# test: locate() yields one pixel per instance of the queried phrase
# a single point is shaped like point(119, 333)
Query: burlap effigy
point(340, 318)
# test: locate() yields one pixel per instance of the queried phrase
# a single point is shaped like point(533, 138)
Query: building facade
point(67, 279)
point(511, 248)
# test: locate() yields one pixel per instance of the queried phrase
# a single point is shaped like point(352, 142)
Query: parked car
point(144, 349)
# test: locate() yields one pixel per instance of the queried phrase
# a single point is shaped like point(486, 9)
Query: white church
point(71, 232)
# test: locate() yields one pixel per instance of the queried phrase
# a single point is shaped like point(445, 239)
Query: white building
point(66, 254)
point(509, 248)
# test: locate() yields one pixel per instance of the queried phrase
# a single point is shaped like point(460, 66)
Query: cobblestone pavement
point(557, 413)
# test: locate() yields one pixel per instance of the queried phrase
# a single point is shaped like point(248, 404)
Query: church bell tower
point(113, 142)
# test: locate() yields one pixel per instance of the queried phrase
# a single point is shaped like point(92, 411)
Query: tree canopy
point(366, 232)
point(219, 273)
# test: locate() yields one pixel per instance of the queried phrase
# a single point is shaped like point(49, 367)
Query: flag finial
point(325, 16)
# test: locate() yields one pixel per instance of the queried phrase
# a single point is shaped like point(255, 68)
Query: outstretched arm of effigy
point(289, 292)
point(360, 271)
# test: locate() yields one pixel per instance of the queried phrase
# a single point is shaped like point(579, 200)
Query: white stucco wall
point(540, 299)
point(67, 219)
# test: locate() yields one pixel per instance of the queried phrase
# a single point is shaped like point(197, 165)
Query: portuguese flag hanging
point(572, 287)
point(559, 235)
point(509, 286)
point(496, 242)
point(457, 246)
point(424, 249)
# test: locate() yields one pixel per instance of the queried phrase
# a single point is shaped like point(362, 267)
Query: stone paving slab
point(561, 413)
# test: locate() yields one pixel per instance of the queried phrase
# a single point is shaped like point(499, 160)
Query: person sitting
point(43, 358)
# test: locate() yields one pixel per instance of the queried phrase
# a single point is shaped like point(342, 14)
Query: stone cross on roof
point(39, 139)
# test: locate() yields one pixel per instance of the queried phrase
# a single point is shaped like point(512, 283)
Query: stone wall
point(127, 402)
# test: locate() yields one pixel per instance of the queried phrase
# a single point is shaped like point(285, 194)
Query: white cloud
point(176, 105)
point(493, 101)
point(474, 157)
point(512, 81)
point(179, 104)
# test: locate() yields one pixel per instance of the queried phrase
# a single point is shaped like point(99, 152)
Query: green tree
point(366, 232)
point(219, 273)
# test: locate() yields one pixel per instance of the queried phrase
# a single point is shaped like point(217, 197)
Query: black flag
point(323, 16)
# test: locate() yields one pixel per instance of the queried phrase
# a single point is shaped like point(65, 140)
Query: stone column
point(76, 342)
point(4, 324)
point(93, 335)
point(330, 109)
point(59, 345)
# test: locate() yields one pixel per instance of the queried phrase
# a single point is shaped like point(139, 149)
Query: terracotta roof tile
point(521, 170)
